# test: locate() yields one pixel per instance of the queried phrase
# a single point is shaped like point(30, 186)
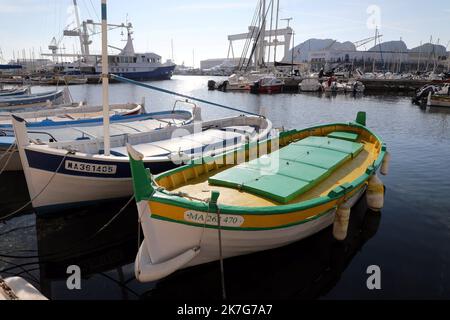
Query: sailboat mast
point(105, 80)
point(262, 36)
point(276, 35)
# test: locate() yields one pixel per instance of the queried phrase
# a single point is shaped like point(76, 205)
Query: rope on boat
point(113, 218)
point(8, 216)
point(9, 152)
point(222, 273)
point(219, 230)
point(67, 249)
point(144, 85)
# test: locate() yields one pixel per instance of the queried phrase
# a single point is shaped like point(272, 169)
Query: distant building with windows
point(392, 56)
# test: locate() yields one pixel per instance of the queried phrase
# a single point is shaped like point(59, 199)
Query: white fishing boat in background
point(310, 85)
point(127, 63)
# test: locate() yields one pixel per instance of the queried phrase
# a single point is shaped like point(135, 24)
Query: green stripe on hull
point(201, 225)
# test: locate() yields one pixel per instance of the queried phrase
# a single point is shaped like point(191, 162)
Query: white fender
point(375, 193)
point(340, 224)
point(146, 271)
point(384, 170)
point(342, 216)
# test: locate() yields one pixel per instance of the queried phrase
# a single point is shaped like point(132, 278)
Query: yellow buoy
point(384, 170)
point(375, 193)
point(340, 224)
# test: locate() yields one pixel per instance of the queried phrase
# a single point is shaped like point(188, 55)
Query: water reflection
point(307, 269)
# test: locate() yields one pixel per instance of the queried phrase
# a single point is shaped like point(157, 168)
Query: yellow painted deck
point(199, 187)
point(194, 181)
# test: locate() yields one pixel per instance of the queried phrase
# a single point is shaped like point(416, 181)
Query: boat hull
point(159, 73)
point(70, 188)
point(267, 89)
point(181, 224)
point(38, 100)
point(58, 178)
point(160, 222)
point(439, 101)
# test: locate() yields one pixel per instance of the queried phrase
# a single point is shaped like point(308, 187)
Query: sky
point(199, 28)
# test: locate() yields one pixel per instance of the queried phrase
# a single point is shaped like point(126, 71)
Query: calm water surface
point(409, 240)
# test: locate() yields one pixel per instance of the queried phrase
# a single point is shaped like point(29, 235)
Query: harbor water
point(408, 241)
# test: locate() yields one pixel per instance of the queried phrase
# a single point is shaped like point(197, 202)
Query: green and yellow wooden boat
point(261, 196)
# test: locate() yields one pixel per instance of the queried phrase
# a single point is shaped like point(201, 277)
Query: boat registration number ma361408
point(90, 167)
point(226, 220)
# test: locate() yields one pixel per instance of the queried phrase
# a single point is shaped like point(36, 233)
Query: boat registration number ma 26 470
point(90, 167)
point(226, 220)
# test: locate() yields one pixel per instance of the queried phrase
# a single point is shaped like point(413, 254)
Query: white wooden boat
point(243, 202)
point(72, 111)
point(48, 98)
point(80, 173)
point(86, 126)
point(16, 91)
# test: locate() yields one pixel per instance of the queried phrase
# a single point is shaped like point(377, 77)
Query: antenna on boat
point(105, 80)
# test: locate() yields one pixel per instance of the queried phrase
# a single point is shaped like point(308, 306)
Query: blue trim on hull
point(160, 73)
point(30, 99)
point(50, 162)
point(48, 123)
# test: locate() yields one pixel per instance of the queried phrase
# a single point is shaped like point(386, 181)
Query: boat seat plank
point(188, 144)
point(350, 136)
point(290, 171)
point(332, 144)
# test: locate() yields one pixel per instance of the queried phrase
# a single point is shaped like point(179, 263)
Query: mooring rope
point(144, 85)
point(113, 218)
point(68, 250)
point(8, 216)
point(10, 152)
point(222, 272)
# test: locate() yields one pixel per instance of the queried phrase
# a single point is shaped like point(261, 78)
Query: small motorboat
point(421, 95)
point(267, 85)
point(17, 91)
point(48, 98)
point(284, 189)
point(310, 85)
point(354, 87)
point(333, 86)
point(440, 98)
